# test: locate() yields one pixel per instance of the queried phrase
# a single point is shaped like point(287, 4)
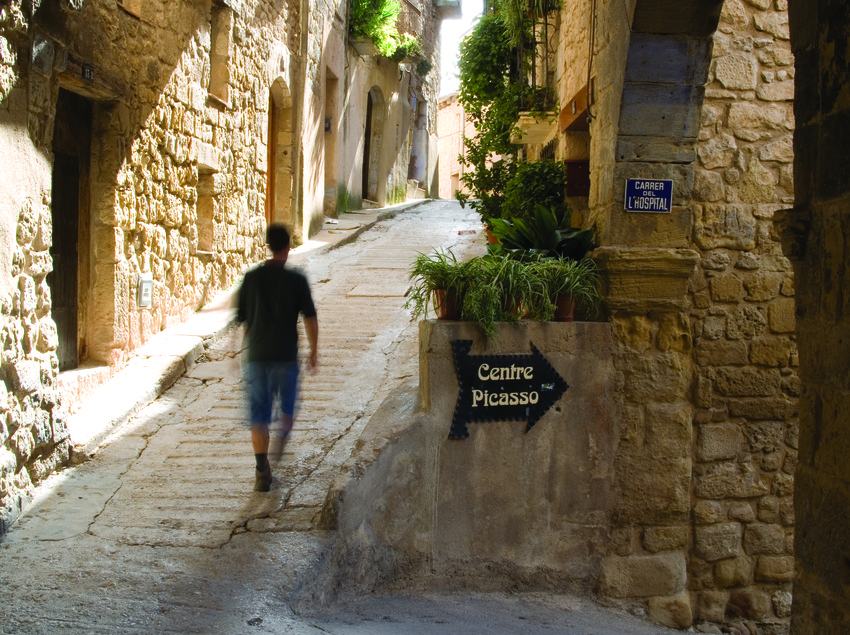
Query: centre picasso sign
point(502, 387)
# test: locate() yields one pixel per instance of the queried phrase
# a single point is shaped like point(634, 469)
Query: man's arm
point(311, 325)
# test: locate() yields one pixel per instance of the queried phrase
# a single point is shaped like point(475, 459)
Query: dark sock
point(262, 462)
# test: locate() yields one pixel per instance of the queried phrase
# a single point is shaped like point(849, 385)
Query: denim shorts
point(267, 381)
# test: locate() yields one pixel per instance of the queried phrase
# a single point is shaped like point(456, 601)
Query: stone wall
point(706, 461)
point(176, 186)
point(183, 96)
point(504, 509)
point(815, 237)
point(742, 318)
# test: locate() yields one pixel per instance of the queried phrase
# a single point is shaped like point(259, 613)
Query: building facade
point(146, 147)
point(701, 300)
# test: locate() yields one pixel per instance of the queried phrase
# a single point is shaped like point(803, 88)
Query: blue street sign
point(649, 195)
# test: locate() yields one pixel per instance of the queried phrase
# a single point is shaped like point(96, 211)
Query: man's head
point(277, 238)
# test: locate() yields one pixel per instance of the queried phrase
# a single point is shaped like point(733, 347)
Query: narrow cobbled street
point(161, 531)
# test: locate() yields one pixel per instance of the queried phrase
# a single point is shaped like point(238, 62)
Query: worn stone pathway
point(160, 530)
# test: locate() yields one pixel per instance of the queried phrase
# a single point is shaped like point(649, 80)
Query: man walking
point(270, 300)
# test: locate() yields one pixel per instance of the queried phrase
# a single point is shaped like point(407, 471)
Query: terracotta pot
point(491, 237)
point(565, 305)
point(514, 306)
point(446, 305)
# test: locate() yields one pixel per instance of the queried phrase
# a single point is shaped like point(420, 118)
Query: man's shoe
point(263, 482)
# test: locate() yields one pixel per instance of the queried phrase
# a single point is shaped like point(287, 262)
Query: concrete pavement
point(160, 529)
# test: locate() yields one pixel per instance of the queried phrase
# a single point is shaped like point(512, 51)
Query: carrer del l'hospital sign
point(502, 387)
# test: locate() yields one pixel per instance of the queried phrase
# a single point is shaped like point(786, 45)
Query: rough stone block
point(717, 152)
point(719, 441)
point(728, 288)
point(716, 542)
point(758, 185)
point(724, 226)
point(657, 539)
point(782, 603)
point(781, 150)
point(663, 378)
point(786, 511)
point(765, 436)
point(774, 23)
point(708, 186)
point(25, 376)
point(779, 408)
point(771, 352)
point(762, 286)
point(775, 569)
point(672, 612)
point(737, 71)
point(653, 491)
point(781, 315)
point(733, 572)
point(751, 604)
point(633, 330)
point(657, 575)
point(742, 511)
point(709, 512)
point(713, 327)
point(776, 91)
point(764, 539)
point(731, 480)
point(712, 605)
point(722, 353)
point(747, 382)
point(668, 430)
point(703, 392)
point(745, 323)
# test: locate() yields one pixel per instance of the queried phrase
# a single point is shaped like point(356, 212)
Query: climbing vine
point(490, 95)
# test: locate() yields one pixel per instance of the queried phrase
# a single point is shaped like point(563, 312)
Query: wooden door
point(69, 204)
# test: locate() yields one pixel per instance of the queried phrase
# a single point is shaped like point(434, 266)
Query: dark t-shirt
point(270, 300)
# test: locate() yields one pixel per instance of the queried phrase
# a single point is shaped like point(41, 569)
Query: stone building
point(734, 370)
point(146, 146)
point(452, 126)
point(697, 519)
point(709, 436)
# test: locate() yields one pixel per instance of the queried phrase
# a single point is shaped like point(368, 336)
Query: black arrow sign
point(502, 387)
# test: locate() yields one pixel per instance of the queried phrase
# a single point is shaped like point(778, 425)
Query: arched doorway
point(373, 137)
point(279, 177)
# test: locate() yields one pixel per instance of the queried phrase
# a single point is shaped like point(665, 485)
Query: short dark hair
point(277, 237)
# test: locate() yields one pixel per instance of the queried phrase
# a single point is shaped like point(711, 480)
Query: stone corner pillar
point(646, 279)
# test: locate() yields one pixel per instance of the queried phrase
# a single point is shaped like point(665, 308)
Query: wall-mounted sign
point(502, 387)
point(649, 195)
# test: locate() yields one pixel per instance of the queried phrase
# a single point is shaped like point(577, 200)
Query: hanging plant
point(375, 20)
point(423, 67)
point(407, 46)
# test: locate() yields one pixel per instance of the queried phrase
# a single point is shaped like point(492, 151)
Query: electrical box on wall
point(144, 291)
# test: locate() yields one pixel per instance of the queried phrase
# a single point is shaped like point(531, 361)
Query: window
point(221, 26)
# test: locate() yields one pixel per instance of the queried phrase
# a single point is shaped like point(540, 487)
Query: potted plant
point(542, 233)
point(561, 285)
point(442, 280)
